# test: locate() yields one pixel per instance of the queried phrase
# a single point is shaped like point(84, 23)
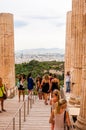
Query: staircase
point(32, 115)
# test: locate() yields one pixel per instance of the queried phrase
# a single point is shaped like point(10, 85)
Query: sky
point(38, 23)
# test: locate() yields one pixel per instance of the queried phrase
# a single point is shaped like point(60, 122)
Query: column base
point(80, 123)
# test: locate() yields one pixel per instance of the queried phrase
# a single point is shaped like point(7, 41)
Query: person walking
point(39, 87)
point(21, 87)
point(45, 88)
point(55, 98)
point(2, 91)
point(30, 85)
point(59, 115)
point(54, 83)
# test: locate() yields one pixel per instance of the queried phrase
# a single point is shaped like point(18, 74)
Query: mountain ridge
point(41, 50)
point(40, 54)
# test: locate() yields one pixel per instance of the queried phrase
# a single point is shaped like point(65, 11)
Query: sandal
point(46, 103)
point(4, 110)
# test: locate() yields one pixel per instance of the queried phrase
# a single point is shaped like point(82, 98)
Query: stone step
point(37, 119)
point(11, 106)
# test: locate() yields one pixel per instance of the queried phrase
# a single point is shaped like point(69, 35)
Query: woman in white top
point(57, 115)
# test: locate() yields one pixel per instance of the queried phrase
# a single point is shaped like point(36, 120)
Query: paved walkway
point(11, 106)
point(36, 119)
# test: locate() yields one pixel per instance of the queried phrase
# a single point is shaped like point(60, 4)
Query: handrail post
point(24, 111)
point(19, 119)
point(14, 123)
point(33, 99)
point(28, 105)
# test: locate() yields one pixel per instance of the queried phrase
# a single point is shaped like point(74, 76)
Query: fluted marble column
point(7, 63)
point(68, 44)
point(81, 121)
point(77, 25)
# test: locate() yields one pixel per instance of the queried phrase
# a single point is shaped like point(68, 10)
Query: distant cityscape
point(41, 54)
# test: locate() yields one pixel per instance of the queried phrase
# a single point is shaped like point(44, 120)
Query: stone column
point(77, 25)
point(81, 121)
point(7, 63)
point(68, 44)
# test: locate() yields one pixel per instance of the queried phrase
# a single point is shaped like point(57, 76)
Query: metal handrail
point(29, 103)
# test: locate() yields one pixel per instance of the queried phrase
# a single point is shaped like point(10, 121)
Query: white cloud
point(38, 23)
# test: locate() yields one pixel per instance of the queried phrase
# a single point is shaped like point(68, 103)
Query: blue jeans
point(67, 86)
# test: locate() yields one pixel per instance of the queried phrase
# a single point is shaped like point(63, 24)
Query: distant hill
point(40, 54)
point(40, 51)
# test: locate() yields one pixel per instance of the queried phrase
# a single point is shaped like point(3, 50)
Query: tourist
point(39, 87)
point(55, 98)
point(50, 76)
point(30, 85)
point(59, 115)
point(21, 87)
point(45, 88)
point(2, 90)
point(67, 80)
point(54, 83)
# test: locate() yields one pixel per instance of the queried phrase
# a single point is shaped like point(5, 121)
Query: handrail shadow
point(20, 116)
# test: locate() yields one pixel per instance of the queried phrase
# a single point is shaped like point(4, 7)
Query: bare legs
point(21, 92)
point(2, 104)
point(46, 98)
point(30, 92)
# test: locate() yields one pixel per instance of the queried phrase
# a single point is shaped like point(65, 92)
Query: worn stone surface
point(7, 64)
point(77, 29)
point(38, 117)
point(68, 43)
point(78, 37)
point(81, 122)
